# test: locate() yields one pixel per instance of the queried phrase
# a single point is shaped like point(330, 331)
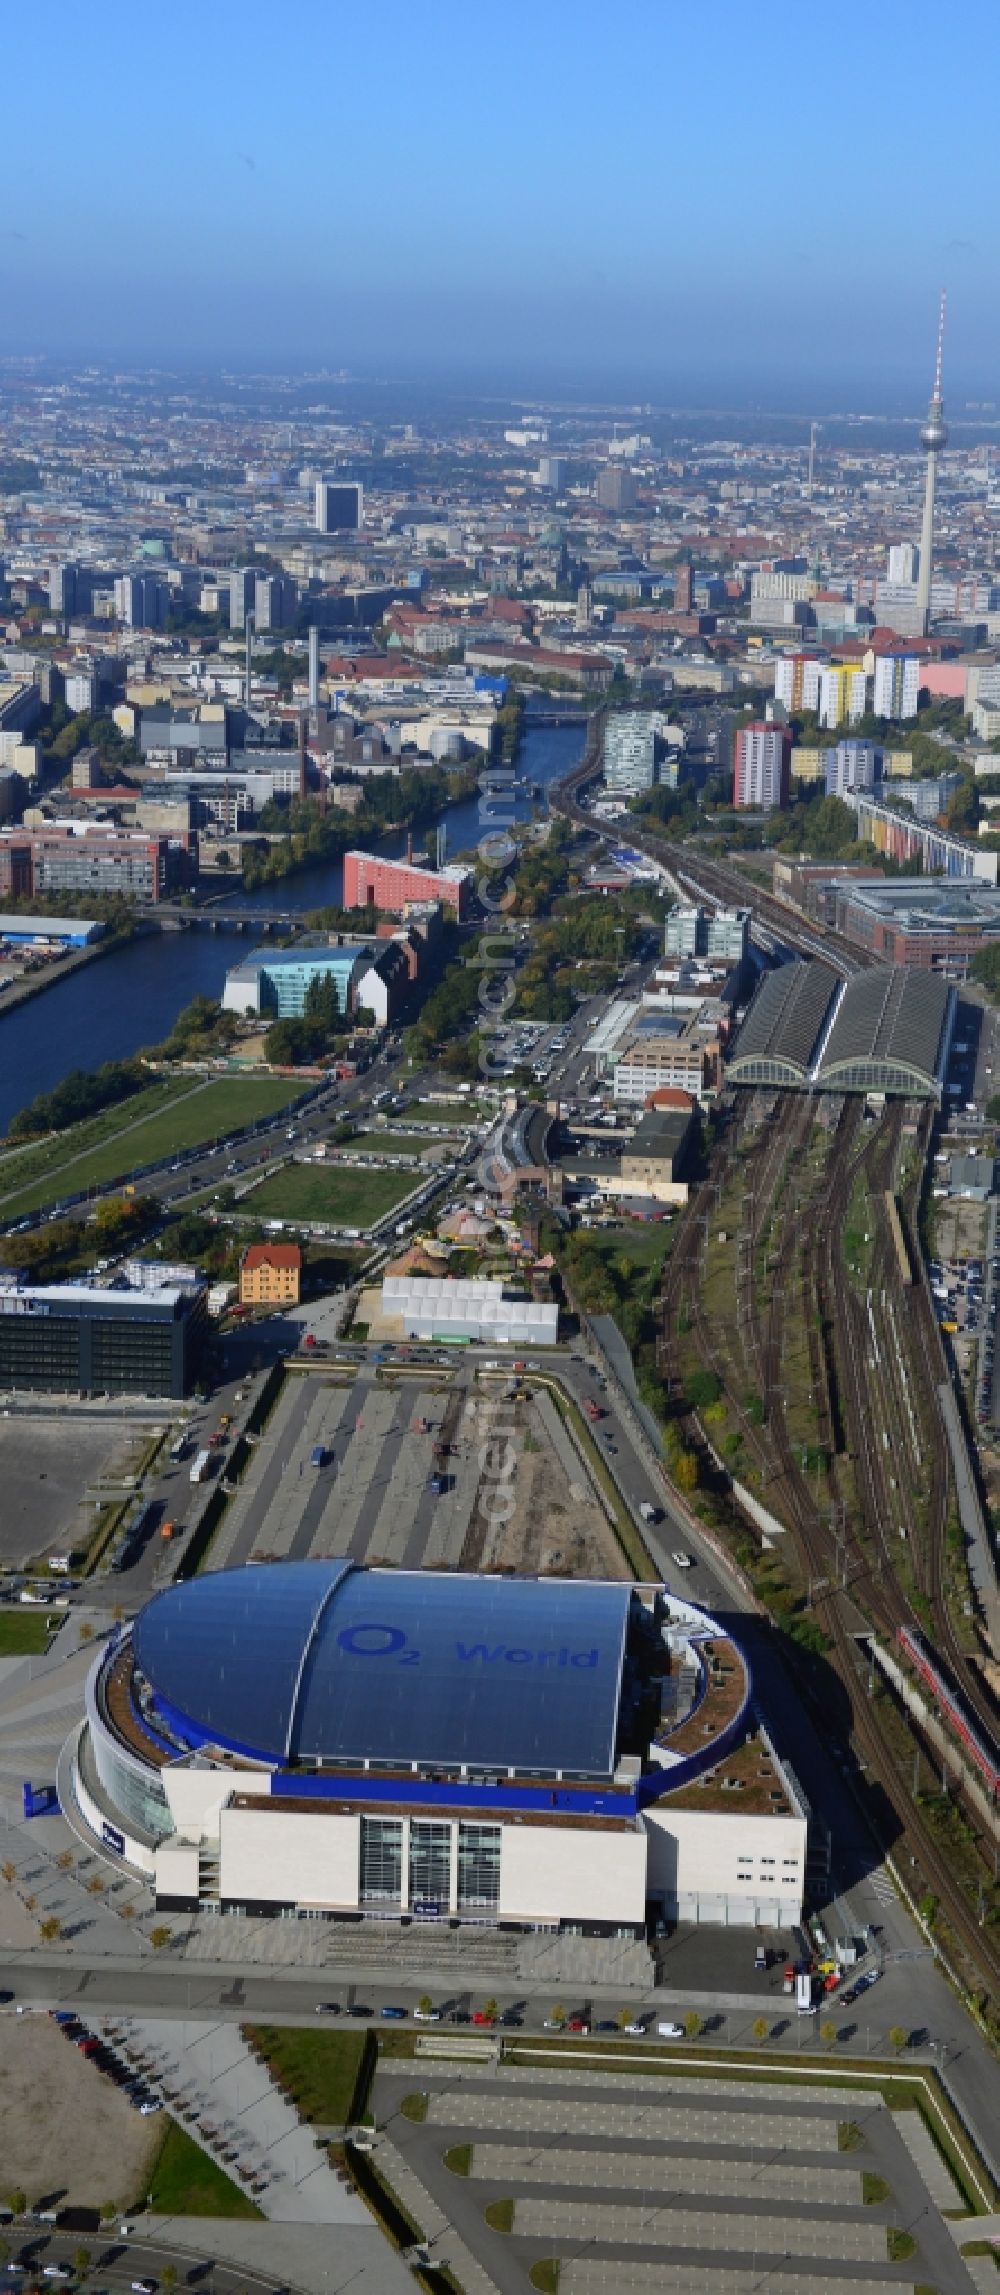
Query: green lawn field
point(24, 1633)
point(397, 1143)
point(185, 2181)
point(161, 1122)
point(343, 1195)
point(319, 2071)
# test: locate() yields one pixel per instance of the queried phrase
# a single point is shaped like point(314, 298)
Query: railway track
point(815, 1230)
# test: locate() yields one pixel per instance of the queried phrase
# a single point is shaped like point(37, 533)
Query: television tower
point(933, 438)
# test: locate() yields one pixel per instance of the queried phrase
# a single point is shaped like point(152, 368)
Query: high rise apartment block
point(897, 685)
point(631, 753)
point(761, 767)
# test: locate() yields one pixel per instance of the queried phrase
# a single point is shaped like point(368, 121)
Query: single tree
point(108, 2211)
point(899, 2038)
point(64, 1860)
point(692, 2024)
point(425, 2004)
point(17, 2200)
point(9, 1870)
point(761, 2028)
point(50, 1929)
point(828, 2032)
point(158, 1937)
point(490, 2010)
point(81, 2261)
point(558, 2013)
point(624, 2019)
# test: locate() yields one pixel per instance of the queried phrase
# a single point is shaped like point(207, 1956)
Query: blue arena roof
point(322, 1661)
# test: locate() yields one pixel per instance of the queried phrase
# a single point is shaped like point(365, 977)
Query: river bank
point(143, 983)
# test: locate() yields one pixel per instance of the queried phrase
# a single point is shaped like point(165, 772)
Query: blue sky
point(719, 205)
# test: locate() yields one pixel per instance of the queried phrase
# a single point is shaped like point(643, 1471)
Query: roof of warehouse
point(326, 1661)
point(890, 1016)
point(787, 1015)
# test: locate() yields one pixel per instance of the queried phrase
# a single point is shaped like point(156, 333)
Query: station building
point(888, 1030)
point(318, 1738)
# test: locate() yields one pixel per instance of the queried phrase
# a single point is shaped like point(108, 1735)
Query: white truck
point(200, 1466)
point(804, 1995)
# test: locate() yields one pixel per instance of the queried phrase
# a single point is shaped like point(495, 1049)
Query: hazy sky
point(716, 202)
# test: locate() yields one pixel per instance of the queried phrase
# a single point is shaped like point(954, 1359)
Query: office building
point(616, 492)
point(84, 856)
point(632, 747)
point(141, 601)
point(904, 563)
point(761, 767)
point(371, 882)
point(276, 981)
point(275, 602)
point(271, 1275)
point(339, 507)
point(896, 685)
point(242, 595)
point(551, 473)
point(720, 934)
point(76, 1338)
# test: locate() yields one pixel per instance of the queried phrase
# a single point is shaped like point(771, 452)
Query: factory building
point(353, 1744)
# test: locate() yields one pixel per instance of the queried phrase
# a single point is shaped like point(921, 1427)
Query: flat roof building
point(443, 1307)
point(276, 981)
point(370, 881)
point(78, 1338)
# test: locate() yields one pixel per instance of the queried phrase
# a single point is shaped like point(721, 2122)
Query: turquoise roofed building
point(276, 981)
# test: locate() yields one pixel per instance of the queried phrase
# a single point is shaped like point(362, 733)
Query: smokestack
point(302, 753)
point(313, 666)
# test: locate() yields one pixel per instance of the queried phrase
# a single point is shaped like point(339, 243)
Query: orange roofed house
point(271, 1275)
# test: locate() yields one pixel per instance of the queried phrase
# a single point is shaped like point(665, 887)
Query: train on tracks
point(980, 1747)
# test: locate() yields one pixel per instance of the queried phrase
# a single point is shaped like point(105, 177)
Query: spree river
point(131, 997)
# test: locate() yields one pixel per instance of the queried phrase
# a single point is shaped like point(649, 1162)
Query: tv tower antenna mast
point(813, 428)
point(933, 439)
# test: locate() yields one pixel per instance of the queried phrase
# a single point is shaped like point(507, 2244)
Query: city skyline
point(633, 212)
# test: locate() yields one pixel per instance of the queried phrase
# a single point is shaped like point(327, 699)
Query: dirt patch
point(69, 2137)
point(46, 1466)
point(557, 1524)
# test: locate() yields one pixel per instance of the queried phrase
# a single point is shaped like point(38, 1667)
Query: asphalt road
point(116, 2262)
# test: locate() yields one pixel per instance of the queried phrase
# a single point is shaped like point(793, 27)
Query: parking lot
point(698, 2183)
point(348, 1466)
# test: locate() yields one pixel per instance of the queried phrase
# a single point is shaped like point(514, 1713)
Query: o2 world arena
point(319, 1739)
